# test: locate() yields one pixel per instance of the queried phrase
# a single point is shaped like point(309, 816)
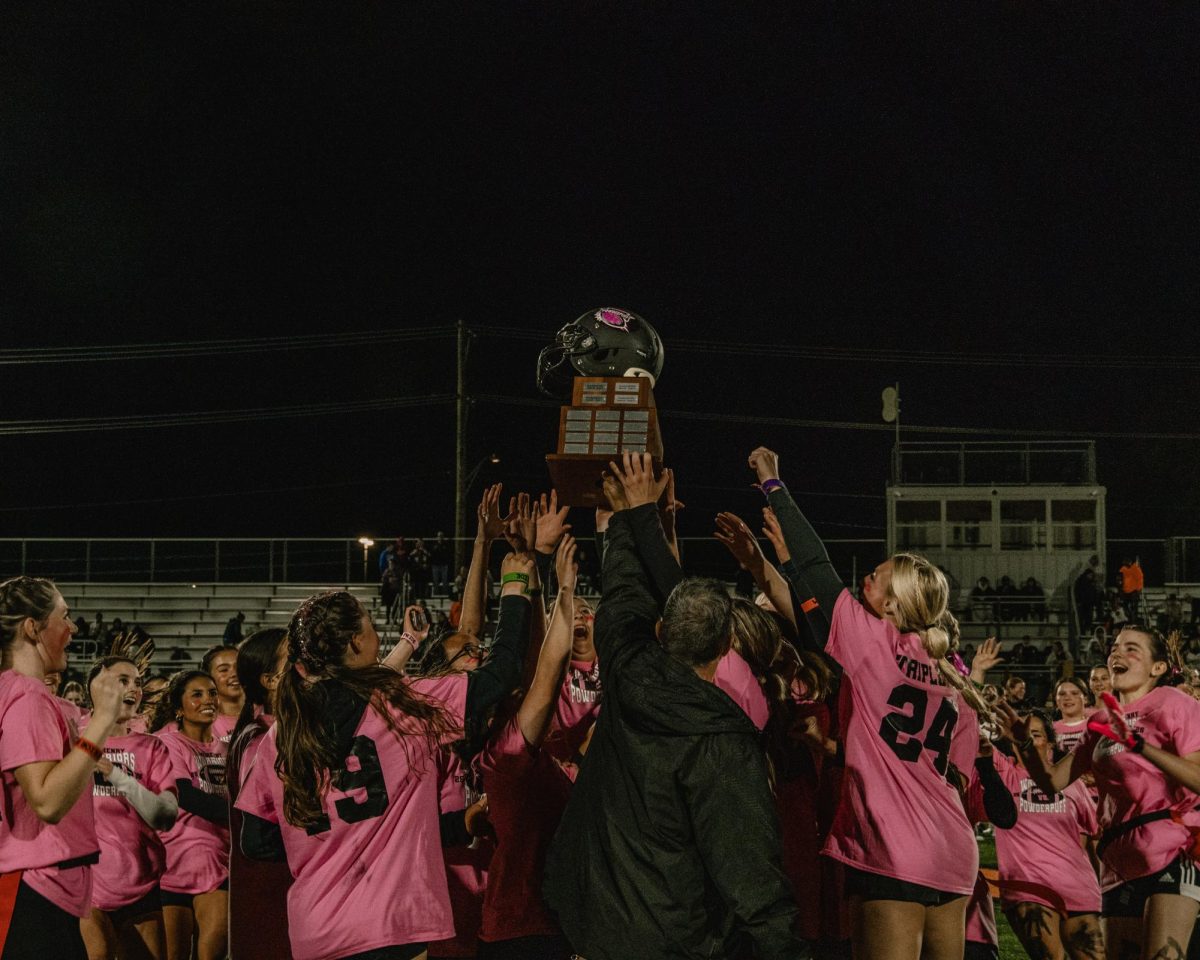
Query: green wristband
point(515, 577)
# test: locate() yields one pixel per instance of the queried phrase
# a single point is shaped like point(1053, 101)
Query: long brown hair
point(309, 760)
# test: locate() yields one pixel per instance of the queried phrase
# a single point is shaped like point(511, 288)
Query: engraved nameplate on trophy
point(608, 416)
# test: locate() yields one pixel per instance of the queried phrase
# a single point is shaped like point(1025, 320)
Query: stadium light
point(367, 544)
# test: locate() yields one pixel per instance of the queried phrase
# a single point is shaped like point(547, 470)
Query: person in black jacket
point(669, 846)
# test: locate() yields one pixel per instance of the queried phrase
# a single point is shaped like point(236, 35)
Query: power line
point(866, 355)
point(909, 428)
point(251, 415)
point(218, 348)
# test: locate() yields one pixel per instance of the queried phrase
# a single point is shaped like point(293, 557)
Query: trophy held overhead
point(607, 361)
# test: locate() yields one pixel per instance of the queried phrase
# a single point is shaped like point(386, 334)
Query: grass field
point(1010, 946)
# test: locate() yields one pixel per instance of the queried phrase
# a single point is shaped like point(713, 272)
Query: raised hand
point(413, 615)
point(1116, 729)
point(564, 564)
point(986, 657)
point(739, 541)
point(765, 463)
point(614, 493)
point(492, 522)
point(520, 562)
point(1011, 724)
point(108, 689)
point(636, 476)
point(551, 524)
point(521, 530)
point(773, 532)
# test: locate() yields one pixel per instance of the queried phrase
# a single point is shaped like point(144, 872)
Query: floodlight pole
point(460, 446)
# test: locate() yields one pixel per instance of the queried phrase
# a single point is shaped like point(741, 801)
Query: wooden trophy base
point(609, 416)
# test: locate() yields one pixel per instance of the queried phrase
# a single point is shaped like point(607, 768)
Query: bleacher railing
point(299, 560)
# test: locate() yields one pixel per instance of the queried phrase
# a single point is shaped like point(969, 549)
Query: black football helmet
point(602, 343)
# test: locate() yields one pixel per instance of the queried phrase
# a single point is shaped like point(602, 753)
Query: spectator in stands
point(1035, 601)
point(459, 584)
point(1031, 654)
point(968, 652)
point(1006, 609)
point(99, 628)
point(1097, 652)
point(419, 567)
point(1017, 653)
point(389, 590)
point(1132, 582)
point(1191, 654)
point(440, 556)
point(1057, 657)
point(386, 554)
point(179, 653)
point(83, 629)
point(983, 601)
point(1174, 613)
point(1118, 615)
point(1083, 600)
point(104, 641)
point(233, 630)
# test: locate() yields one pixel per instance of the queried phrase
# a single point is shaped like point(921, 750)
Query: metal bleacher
point(186, 619)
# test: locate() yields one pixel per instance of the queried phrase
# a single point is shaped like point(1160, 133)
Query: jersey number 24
point(901, 730)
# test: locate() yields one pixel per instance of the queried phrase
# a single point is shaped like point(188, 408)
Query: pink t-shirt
point(374, 877)
point(466, 865)
point(197, 849)
point(527, 790)
point(578, 704)
point(35, 729)
point(222, 728)
point(735, 677)
point(138, 724)
point(132, 855)
point(1130, 786)
point(981, 914)
point(899, 816)
point(1040, 859)
point(1068, 733)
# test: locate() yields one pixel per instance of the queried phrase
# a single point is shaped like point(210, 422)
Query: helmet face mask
point(602, 343)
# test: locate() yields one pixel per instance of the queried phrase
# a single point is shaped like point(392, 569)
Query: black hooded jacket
point(669, 847)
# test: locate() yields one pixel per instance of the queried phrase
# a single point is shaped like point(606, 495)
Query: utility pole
point(460, 443)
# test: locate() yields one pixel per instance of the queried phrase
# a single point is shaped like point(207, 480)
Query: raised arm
point(488, 684)
point(628, 611)
point(411, 638)
point(52, 788)
point(490, 527)
point(1050, 780)
point(817, 577)
point(638, 486)
point(733, 531)
point(536, 710)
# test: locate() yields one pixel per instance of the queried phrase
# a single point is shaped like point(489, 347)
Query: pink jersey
point(899, 815)
point(527, 790)
point(1130, 786)
point(138, 724)
point(371, 875)
point(222, 728)
point(35, 729)
point(981, 914)
point(735, 677)
point(197, 849)
point(578, 705)
point(1068, 733)
point(466, 865)
point(132, 857)
point(1040, 859)
point(258, 889)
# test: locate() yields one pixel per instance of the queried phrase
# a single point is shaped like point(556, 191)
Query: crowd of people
point(675, 772)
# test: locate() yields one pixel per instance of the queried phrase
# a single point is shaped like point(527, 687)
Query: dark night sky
point(971, 179)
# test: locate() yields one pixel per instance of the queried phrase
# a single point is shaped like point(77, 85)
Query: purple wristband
point(768, 486)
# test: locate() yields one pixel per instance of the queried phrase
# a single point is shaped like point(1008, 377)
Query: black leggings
point(41, 929)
